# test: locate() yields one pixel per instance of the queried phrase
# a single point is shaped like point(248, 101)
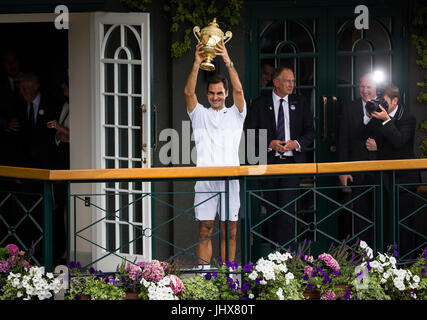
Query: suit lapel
point(293, 109)
point(358, 112)
point(269, 106)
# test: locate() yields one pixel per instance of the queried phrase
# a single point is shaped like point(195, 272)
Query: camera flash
point(378, 76)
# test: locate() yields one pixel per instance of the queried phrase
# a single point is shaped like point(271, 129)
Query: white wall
point(81, 146)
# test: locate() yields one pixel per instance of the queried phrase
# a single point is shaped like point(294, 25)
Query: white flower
point(416, 278)
point(251, 296)
point(369, 253)
point(279, 293)
point(382, 258)
point(374, 264)
point(253, 275)
point(363, 244)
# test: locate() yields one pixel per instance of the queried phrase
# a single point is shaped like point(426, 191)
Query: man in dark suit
point(35, 112)
point(352, 138)
point(395, 129)
point(288, 120)
point(36, 141)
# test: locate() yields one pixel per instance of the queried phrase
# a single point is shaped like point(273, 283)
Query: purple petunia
point(248, 267)
point(208, 276)
point(246, 286)
point(310, 286)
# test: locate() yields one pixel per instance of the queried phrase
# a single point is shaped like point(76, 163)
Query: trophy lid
point(213, 29)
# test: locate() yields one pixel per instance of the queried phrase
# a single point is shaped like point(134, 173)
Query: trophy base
point(207, 66)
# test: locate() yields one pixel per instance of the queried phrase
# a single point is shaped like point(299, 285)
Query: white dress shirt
point(36, 104)
point(285, 104)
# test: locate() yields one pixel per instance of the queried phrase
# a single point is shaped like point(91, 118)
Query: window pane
point(299, 35)
point(110, 142)
point(136, 78)
point(273, 35)
point(123, 110)
point(113, 42)
point(110, 237)
point(109, 77)
point(109, 109)
point(123, 143)
point(131, 42)
point(136, 111)
point(124, 238)
point(123, 78)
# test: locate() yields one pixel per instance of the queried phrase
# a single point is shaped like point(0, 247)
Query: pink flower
point(4, 266)
point(330, 295)
point(308, 270)
point(176, 284)
point(329, 261)
point(133, 271)
point(13, 249)
point(153, 271)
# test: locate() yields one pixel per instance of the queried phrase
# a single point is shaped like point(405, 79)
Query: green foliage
point(185, 14)
point(9, 291)
point(197, 288)
point(419, 40)
point(96, 289)
point(138, 5)
point(100, 290)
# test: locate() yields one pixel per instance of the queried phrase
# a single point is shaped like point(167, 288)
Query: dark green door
point(328, 55)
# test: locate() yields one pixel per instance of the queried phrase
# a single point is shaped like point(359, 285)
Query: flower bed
point(343, 273)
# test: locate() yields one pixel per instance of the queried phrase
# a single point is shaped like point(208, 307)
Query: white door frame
point(142, 20)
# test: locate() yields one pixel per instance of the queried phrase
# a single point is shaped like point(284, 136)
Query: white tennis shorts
point(207, 209)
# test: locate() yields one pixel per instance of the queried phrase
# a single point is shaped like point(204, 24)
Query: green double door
point(328, 55)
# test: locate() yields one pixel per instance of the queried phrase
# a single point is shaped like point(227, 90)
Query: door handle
point(333, 147)
point(143, 110)
point(325, 118)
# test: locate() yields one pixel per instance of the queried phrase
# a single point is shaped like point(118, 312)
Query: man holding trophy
point(217, 132)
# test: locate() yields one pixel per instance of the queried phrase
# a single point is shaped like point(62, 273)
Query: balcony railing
point(309, 224)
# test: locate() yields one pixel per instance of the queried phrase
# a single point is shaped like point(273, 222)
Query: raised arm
point(190, 85)
point(238, 96)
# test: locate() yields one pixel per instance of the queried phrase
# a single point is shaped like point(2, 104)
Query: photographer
point(353, 134)
point(395, 131)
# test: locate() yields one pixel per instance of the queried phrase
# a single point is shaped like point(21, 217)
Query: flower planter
point(131, 296)
point(340, 290)
point(85, 297)
point(311, 294)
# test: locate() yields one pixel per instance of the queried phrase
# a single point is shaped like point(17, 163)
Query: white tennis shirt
point(217, 135)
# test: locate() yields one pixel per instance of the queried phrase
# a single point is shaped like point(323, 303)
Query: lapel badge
point(270, 108)
point(292, 107)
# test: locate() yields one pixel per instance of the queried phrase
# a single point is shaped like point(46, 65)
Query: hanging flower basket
point(311, 294)
point(131, 296)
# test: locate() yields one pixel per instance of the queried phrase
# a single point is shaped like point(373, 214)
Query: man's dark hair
point(217, 78)
point(391, 91)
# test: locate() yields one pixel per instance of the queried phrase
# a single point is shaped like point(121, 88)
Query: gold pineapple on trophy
point(210, 36)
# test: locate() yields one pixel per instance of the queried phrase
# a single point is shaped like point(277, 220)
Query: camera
point(373, 105)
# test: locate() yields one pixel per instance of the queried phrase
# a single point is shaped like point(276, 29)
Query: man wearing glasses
point(288, 120)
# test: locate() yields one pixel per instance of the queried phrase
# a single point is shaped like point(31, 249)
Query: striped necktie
point(281, 123)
